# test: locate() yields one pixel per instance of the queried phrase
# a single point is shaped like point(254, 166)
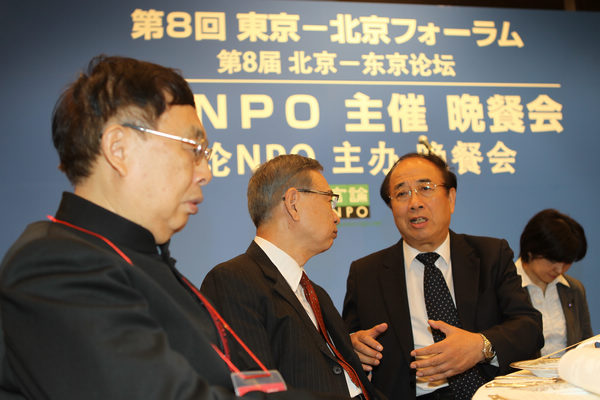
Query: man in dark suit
point(394, 311)
point(265, 294)
point(90, 308)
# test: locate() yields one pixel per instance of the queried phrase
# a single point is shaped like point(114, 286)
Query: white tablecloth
point(540, 390)
point(577, 369)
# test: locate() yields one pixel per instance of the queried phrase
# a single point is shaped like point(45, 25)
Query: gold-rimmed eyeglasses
point(200, 149)
point(425, 189)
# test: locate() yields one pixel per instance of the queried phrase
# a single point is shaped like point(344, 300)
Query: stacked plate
point(542, 367)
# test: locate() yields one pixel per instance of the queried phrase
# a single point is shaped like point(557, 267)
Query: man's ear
point(290, 201)
point(452, 199)
point(114, 147)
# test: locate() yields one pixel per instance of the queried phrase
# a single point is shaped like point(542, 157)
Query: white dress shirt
point(548, 303)
point(292, 272)
point(414, 271)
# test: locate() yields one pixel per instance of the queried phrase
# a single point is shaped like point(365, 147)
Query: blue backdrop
point(508, 97)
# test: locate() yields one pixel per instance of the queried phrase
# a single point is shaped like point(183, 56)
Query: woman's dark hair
point(554, 236)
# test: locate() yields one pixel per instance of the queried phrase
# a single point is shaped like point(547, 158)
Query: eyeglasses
point(334, 197)
point(425, 189)
point(201, 150)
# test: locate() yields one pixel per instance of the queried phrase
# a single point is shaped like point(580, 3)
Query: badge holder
point(268, 381)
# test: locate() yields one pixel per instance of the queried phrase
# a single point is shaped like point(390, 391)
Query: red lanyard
point(222, 324)
point(111, 244)
point(219, 322)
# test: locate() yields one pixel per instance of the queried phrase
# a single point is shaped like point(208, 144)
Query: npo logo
point(354, 201)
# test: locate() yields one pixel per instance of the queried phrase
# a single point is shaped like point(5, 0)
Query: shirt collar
point(526, 280)
point(562, 280)
point(121, 231)
point(287, 266)
point(410, 253)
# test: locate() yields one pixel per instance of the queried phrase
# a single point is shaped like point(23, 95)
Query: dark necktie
point(311, 296)
point(440, 307)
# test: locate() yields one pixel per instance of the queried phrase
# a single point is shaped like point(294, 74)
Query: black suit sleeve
point(517, 333)
point(77, 324)
point(350, 313)
point(75, 327)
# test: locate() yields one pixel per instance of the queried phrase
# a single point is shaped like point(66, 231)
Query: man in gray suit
point(265, 295)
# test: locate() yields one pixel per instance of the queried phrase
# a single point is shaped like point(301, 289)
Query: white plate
point(543, 367)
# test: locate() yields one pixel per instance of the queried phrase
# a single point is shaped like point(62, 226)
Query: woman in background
point(550, 243)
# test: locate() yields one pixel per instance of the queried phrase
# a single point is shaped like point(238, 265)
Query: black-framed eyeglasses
point(425, 189)
point(200, 149)
point(334, 197)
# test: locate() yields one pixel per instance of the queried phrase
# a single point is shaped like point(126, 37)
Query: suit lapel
point(567, 299)
point(465, 274)
point(393, 287)
point(335, 326)
point(281, 287)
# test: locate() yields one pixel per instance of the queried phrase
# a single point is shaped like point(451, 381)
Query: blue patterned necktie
point(440, 307)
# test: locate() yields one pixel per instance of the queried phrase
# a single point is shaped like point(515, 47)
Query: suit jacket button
point(337, 369)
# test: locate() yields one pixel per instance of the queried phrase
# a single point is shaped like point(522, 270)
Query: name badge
point(257, 381)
